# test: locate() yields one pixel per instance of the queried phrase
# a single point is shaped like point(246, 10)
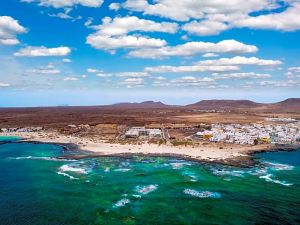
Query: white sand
point(209, 152)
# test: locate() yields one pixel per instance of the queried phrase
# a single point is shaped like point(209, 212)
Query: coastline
point(228, 154)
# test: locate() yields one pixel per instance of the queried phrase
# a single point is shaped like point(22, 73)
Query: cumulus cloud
point(92, 70)
point(113, 33)
point(43, 51)
point(194, 68)
point(114, 6)
point(49, 69)
point(250, 75)
point(293, 72)
point(66, 3)
point(209, 55)
point(193, 81)
point(4, 85)
point(9, 29)
point(108, 43)
point(132, 74)
point(71, 79)
point(280, 83)
point(66, 60)
point(214, 16)
point(205, 28)
point(217, 65)
point(133, 82)
point(194, 48)
point(240, 60)
point(124, 25)
point(288, 20)
point(184, 10)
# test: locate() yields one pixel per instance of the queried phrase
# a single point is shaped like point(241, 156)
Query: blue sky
point(87, 52)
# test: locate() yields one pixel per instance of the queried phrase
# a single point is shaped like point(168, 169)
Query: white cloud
point(49, 69)
point(293, 72)
point(92, 70)
point(4, 85)
point(124, 25)
point(184, 69)
point(280, 83)
point(104, 75)
point(217, 65)
point(185, 10)
point(83, 76)
point(114, 6)
point(250, 75)
point(288, 20)
point(133, 82)
point(132, 74)
point(43, 51)
point(113, 33)
point(67, 3)
point(193, 81)
point(240, 60)
point(66, 60)
point(214, 16)
point(194, 48)
point(108, 43)
point(209, 55)
point(205, 28)
point(65, 16)
point(71, 79)
point(9, 29)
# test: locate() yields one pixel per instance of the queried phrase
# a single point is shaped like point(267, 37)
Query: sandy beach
point(228, 153)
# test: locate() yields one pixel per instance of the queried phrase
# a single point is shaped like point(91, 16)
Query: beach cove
point(38, 186)
point(229, 154)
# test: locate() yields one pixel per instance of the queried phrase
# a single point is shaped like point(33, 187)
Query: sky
point(92, 52)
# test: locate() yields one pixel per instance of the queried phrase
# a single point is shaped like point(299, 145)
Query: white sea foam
point(144, 190)
point(107, 169)
point(68, 168)
point(179, 165)
point(201, 194)
point(193, 177)
point(279, 166)
point(223, 172)
point(122, 170)
point(67, 175)
point(121, 203)
point(269, 178)
point(45, 158)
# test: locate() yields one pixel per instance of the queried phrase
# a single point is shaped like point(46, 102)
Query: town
point(285, 132)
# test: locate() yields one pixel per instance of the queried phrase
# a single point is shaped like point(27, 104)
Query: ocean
point(38, 189)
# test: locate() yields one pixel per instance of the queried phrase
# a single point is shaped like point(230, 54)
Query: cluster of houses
point(23, 129)
point(142, 132)
point(252, 134)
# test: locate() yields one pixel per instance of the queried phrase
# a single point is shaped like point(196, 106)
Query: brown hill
point(141, 105)
point(223, 104)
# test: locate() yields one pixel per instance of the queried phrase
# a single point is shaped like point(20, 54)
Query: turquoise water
point(38, 189)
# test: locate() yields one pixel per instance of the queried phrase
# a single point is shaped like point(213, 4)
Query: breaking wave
point(122, 170)
point(179, 165)
point(67, 168)
point(201, 194)
point(278, 166)
point(270, 178)
point(45, 158)
point(67, 175)
point(121, 203)
point(144, 190)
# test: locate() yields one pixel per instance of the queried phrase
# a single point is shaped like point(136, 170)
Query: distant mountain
point(223, 104)
point(288, 105)
point(144, 105)
point(290, 102)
